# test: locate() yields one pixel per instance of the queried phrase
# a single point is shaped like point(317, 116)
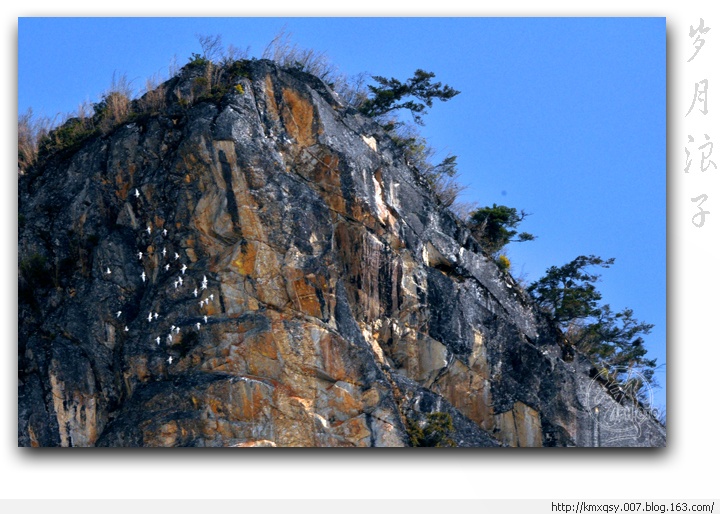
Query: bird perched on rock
point(212, 297)
point(197, 325)
point(205, 319)
point(170, 337)
point(127, 329)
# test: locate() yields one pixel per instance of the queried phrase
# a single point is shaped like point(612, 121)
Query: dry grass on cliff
point(31, 130)
point(114, 107)
point(153, 101)
point(287, 54)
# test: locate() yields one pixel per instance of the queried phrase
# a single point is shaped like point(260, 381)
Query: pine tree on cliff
point(612, 340)
point(388, 96)
point(494, 227)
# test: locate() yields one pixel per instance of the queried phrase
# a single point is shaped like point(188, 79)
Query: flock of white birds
point(179, 282)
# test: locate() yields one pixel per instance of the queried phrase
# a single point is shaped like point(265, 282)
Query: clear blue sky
point(561, 117)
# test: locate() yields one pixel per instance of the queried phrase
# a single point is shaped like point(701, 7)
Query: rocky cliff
point(264, 269)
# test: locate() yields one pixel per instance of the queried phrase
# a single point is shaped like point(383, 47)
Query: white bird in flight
point(195, 292)
point(140, 255)
point(202, 302)
point(164, 231)
point(197, 325)
point(176, 284)
point(167, 267)
point(183, 269)
point(203, 286)
point(172, 327)
point(149, 230)
point(150, 318)
point(127, 329)
point(170, 359)
point(164, 252)
point(157, 339)
point(205, 318)
point(156, 315)
point(177, 330)
point(137, 193)
point(170, 337)
point(176, 256)
point(118, 314)
point(143, 276)
point(180, 280)
point(108, 272)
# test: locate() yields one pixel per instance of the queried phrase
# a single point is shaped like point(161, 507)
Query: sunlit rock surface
point(341, 304)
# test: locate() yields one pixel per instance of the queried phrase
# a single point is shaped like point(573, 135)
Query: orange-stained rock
point(520, 426)
point(298, 116)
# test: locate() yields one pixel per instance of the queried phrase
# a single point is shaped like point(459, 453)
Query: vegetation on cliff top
point(219, 68)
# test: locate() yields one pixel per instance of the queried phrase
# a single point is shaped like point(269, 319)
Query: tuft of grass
point(289, 55)
point(31, 131)
point(114, 108)
point(153, 101)
point(503, 262)
point(441, 177)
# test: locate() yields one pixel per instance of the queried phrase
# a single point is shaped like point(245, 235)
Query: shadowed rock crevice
point(229, 192)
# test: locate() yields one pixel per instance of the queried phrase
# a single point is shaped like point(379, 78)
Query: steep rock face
point(326, 300)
